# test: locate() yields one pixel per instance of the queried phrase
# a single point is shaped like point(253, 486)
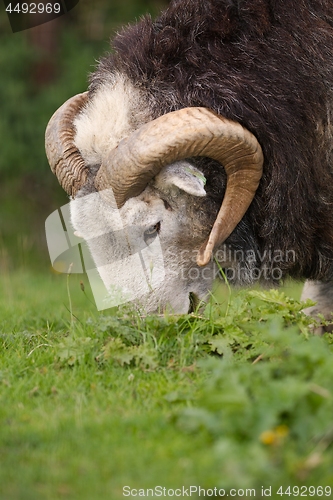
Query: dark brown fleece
point(269, 65)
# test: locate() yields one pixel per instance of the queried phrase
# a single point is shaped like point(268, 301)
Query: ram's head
point(148, 190)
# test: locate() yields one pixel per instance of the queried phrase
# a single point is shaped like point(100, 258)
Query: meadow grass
point(236, 397)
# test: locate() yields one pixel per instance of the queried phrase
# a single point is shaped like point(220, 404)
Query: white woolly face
point(147, 250)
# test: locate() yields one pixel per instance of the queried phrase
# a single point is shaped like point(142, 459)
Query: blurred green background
point(39, 69)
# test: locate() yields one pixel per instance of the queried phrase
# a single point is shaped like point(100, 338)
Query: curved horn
point(63, 156)
point(182, 134)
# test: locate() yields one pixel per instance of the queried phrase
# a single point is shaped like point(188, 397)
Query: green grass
point(238, 397)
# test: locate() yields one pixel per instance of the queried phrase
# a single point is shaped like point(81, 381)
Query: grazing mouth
point(194, 302)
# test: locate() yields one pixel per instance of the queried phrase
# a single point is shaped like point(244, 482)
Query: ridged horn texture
point(64, 158)
point(182, 134)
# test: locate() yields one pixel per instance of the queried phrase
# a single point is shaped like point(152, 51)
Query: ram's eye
point(151, 232)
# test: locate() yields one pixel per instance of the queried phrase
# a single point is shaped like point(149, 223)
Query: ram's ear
point(183, 176)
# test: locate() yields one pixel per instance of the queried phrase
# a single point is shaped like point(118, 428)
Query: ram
point(209, 131)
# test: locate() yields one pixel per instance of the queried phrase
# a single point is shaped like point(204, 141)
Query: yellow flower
point(274, 436)
point(268, 437)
